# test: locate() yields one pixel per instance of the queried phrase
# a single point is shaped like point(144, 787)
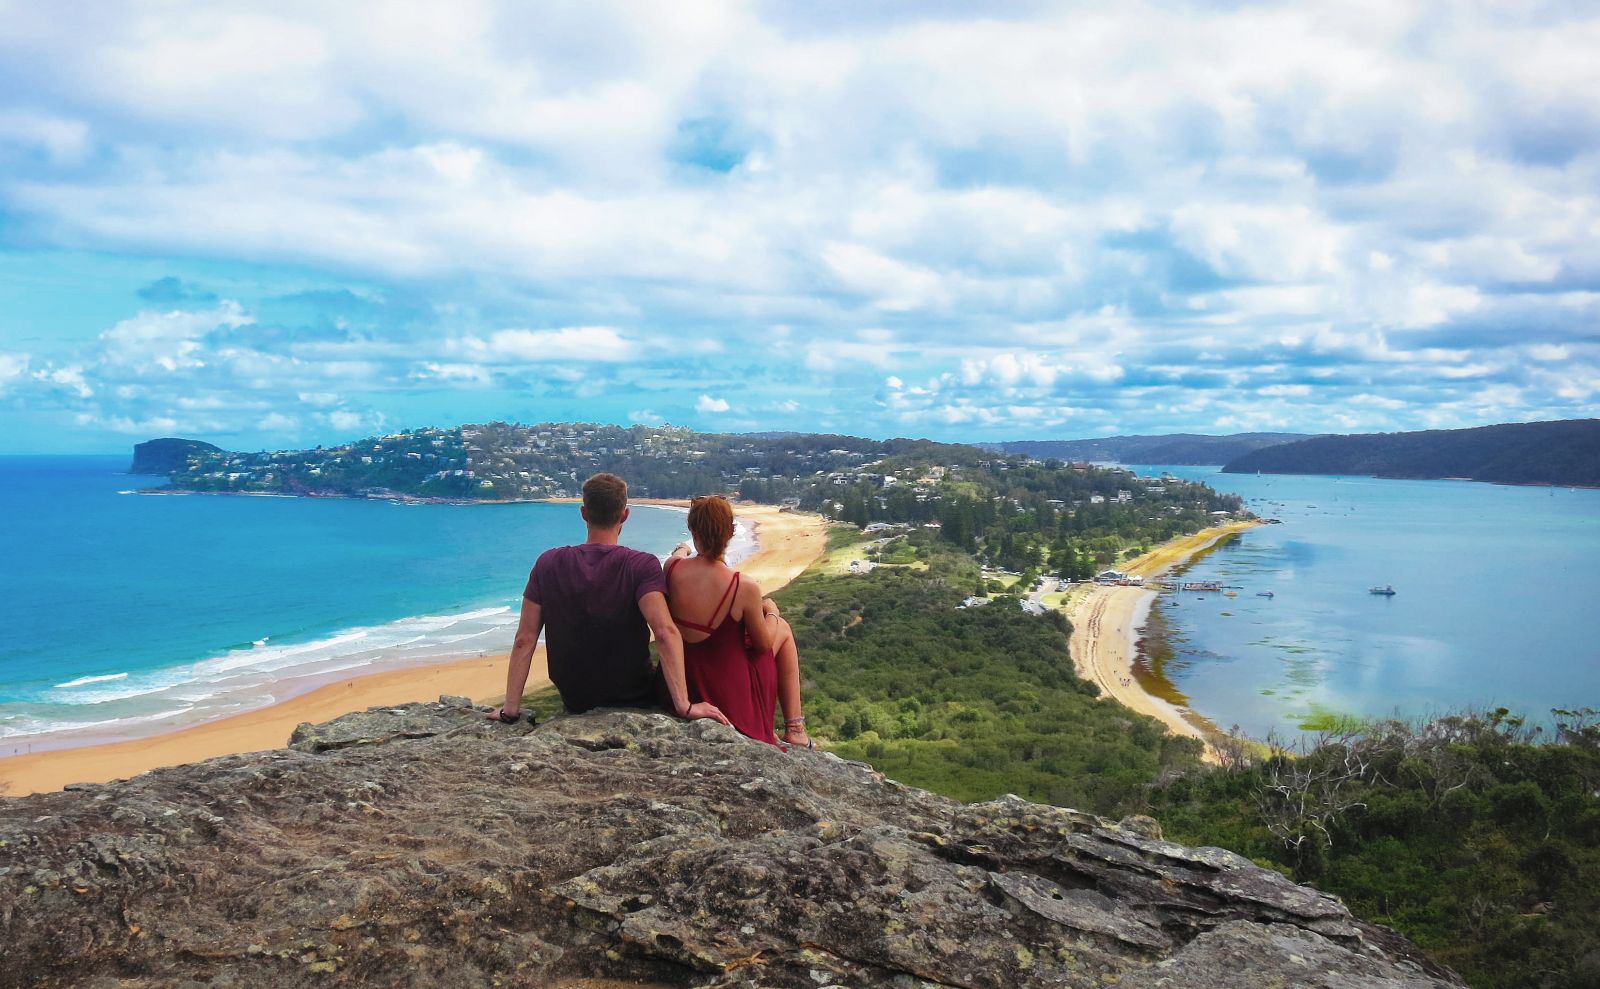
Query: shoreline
point(1390, 477)
point(786, 543)
point(1105, 633)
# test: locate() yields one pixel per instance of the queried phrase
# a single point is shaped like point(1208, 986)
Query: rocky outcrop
point(425, 846)
point(166, 455)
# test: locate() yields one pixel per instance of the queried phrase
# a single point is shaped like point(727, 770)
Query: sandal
point(790, 725)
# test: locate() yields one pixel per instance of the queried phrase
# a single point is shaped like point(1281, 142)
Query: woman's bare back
point(703, 594)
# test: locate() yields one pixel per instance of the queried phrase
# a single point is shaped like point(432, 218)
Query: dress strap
point(724, 599)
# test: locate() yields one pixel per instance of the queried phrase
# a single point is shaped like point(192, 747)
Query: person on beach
point(598, 603)
point(739, 653)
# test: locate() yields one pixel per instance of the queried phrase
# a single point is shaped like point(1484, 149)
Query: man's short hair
point(604, 498)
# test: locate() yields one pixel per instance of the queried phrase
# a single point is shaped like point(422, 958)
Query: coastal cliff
point(167, 455)
point(422, 845)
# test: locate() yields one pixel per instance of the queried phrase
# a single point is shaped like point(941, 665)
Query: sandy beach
point(787, 543)
point(1105, 630)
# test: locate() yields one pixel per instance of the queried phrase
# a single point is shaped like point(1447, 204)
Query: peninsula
point(1012, 512)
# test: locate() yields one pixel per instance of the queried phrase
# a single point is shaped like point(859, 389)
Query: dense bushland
point(1473, 835)
point(970, 702)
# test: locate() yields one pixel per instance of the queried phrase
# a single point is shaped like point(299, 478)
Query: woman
point(738, 653)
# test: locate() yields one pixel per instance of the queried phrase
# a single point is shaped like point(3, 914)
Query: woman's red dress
point(724, 670)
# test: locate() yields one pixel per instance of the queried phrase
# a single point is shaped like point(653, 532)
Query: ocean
point(1494, 604)
point(128, 614)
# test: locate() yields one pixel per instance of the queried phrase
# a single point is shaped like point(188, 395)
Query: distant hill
point(1171, 448)
point(1562, 452)
point(167, 454)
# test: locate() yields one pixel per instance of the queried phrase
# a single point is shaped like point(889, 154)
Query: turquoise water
point(1494, 605)
point(128, 614)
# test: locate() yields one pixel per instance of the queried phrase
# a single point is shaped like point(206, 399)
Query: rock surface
point(425, 846)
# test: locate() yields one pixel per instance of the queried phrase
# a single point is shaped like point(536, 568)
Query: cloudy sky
point(293, 223)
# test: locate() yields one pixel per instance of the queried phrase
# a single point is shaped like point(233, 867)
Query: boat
point(1264, 594)
point(1387, 591)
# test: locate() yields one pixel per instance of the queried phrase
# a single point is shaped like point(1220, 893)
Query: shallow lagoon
point(1495, 604)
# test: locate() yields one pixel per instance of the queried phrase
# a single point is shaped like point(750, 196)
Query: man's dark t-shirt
point(597, 641)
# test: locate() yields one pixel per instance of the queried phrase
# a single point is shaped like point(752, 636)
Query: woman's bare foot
point(794, 733)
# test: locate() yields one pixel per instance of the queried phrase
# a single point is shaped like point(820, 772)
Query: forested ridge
point(1168, 448)
point(1563, 452)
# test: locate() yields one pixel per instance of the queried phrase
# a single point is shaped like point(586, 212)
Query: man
point(598, 603)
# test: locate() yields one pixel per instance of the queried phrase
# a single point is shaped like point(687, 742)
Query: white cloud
point(454, 372)
point(70, 378)
point(348, 421)
point(13, 367)
point(573, 343)
point(149, 426)
point(835, 354)
point(167, 341)
point(705, 403)
point(887, 283)
point(65, 141)
point(1010, 370)
point(277, 422)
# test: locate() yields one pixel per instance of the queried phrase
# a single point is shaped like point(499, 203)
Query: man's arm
point(529, 626)
point(653, 606)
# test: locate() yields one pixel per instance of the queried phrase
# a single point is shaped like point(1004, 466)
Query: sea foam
point(85, 681)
